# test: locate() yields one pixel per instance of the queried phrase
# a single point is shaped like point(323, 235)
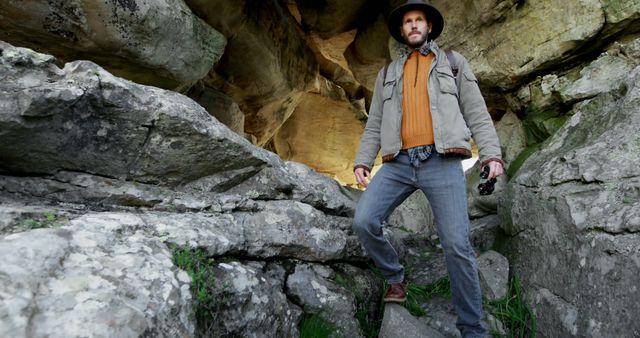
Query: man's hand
point(495, 169)
point(363, 176)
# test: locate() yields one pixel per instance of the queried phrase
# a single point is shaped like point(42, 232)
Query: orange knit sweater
point(417, 127)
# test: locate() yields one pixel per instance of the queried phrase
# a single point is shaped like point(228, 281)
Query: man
point(421, 120)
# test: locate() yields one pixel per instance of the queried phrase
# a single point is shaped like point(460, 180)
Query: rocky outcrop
point(502, 58)
point(96, 276)
point(82, 118)
point(575, 203)
point(113, 217)
point(109, 246)
point(79, 146)
point(160, 43)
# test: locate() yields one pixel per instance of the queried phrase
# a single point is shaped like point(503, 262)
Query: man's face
point(415, 28)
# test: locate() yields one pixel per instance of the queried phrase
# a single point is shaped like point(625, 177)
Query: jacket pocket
point(470, 77)
point(446, 81)
point(387, 90)
point(467, 133)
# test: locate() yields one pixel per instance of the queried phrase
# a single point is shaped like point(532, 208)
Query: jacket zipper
point(415, 82)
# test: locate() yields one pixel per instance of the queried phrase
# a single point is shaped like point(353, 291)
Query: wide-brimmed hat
point(432, 13)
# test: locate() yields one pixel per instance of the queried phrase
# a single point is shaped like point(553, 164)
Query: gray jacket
point(458, 113)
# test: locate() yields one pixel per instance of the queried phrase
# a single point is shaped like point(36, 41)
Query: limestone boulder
point(80, 280)
point(251, 302)
point(575, 203)
point(313, 287)
point(414, 215)
point(83, 118)
point(493, 270)
point(398, 322)
point(491, 35)
point(160, 43)
point(512, 137)
point(485, 232)
point(221, 106)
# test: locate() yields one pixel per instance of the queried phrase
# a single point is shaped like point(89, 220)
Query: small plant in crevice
point(315, 326)
point(513, 312)
point(46, 220)
point(368, 320)
point(204, 288)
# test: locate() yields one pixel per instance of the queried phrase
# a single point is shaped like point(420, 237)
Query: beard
point(416, 43)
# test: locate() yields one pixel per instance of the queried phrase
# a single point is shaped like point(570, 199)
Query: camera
point(486, 188)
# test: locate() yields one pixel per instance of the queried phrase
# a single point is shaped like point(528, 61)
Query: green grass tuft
point(419, 294)
point(46, 220)
point(203, 284)
point(314, 326)
point(514, 313)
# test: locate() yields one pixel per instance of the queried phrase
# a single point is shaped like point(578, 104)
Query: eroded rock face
point(498, 54)
point(266, 66)
point(303, 138)
point(85, 119)
point(575, 203)
point(111, 234)
point(330, 18)
point(159, 43)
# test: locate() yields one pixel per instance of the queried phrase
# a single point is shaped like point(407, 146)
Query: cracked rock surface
point(574, 209)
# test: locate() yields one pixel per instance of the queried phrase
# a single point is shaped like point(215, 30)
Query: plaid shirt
point(419, 154)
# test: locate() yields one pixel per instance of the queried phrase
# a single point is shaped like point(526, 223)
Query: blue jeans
point(443, 183)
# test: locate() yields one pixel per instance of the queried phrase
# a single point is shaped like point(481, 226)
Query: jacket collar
point(426, 47)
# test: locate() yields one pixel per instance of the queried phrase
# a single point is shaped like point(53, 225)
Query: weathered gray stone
point(512, 137)
point(493, 269)
point(499, 55)
point(221, 106)
point(484, 231)
point(414, 215)
point(620, 14)
point(605, 74)
point(312, 287)
point(252, 302)
point(160, 43)
point(273, 230)
point(84, 119)
point(83, 280)
point(399, 323)
point(441, 316)
point(427, 264)
point(575, 203)
point(291, 180)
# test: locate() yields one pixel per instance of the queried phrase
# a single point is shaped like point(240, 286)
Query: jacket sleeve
point(370, 142)
point(475, 113)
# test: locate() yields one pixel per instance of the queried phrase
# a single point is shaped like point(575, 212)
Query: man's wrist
point(493, 159)
point(361, 166)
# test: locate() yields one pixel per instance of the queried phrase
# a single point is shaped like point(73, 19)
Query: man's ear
point(430, 25)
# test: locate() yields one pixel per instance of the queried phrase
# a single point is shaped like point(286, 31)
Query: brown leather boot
point(397, 293)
